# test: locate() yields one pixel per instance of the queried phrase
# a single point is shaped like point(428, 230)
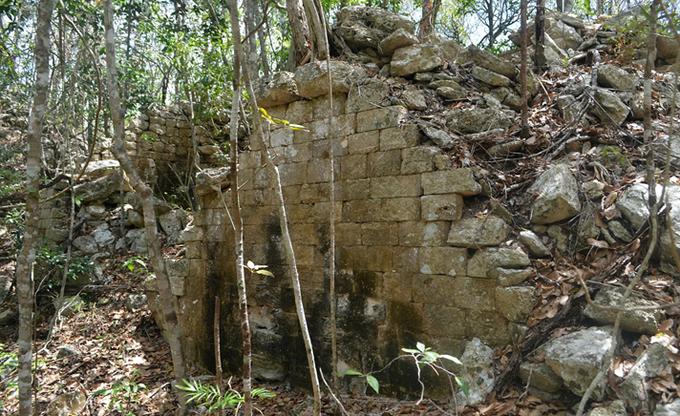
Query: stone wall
point(413, 263)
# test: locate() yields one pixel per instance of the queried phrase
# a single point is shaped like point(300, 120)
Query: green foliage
point(124, 396)
point(9, 364)
point(11, 181)
point(52, 261)
point(372, 382)
point(209, 395)
point(258, 269)
point(136, 264)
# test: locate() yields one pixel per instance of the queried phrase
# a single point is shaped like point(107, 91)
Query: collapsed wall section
point(412, 263)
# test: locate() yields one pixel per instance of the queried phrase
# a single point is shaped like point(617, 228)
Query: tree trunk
point(283, 218)
point(301, 43)
point(24, 272)
point(426, 25)
point(539, 24)
point(524, 33)
point(314, 10)
point(167, 300)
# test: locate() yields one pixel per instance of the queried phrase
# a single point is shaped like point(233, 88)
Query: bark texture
point(301, 43)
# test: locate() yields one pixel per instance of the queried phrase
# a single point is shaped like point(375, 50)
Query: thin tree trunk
point(236, 202)
point(524, 132)
point(301, 43)
point(426, 21)
point(283, 218)
point(24, 273)
point(168, 301)
point(539, 24)
point(314, 10)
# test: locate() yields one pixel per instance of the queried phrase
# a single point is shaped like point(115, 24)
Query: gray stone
point(134, 218)
point(492, 62)
point(577, 358)
point(100, 168)
point(280, 90)
point(415, 58)
point(86, 244)
point(136, 241)
point(191, 233)
point(312, 78)
point(564, 36)
point(367, 94)
point(460, 181)
point(513, 277)
point(439, 137)
point(364, 27)
point(441, 207)
point(505, 149)
point(667, 247)
point(638, 321)
point(668, 409)
point(633, 205)
point(556, 198)
point(99, 189)
point(173, 223)
point(414, 99)
point(67, 350)
point(96, 211)
point(477, 372)
point(489, 77)
point(451, 93)
point(178, 271)
point(609, 109)
point(620, 231)
point(71, 305)
point(667, 48)
point(652, 363)
point(569, 107)
point(615, 408)
point(136, 301)
point(476, 120)
point(485, 262)
point(533, 243)
point(611, 76)
point(398, 39)
point(594, 189)
point(540, 376)
point(515, 302)
point(476, 232)
point(8, 316)
point(103, 236)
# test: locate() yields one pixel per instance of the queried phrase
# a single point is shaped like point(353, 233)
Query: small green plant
point(52, 261)
point(148, 137)
point(124, 396)
point(136, 264)
point(372, 382)
point(8, 366)
point(210, 396)
point(260, 269)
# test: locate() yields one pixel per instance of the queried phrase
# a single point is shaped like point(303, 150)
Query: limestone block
point(372, 258)
point(354, 189)
point(610, 108)
point(398, 39)
point(492, 62)
point(443, 260)
point(484, 262)
point(381, 118)
point(362, 210)
point(471, 293)
point(300, 112)
point(611, 76)
point(318, 170)
point(460, 181)
point(282, 89)
point(348, 234)
point(442, 321)
point(395, 186)
point(249, 160)
point(399, 137)
point(293, 173)
point(400, 209)
point(366, 95)
point(384, 163)
point(512, 277)
point(540, 376)
point(638, 321)
point(379, 234)
point(365, 142)
point(178, 271)
point(321, 106)
point(419, 233)
point(477, 120)
point(415, 58)
point(489, 327)
point(441, 207)
point(281, 137)
point(313, 192)
point(397, 286)
point(490, 78)
point(556, 196)
point(321, 149)
point(343, 125)
point(405, 259)
point(418, 159)
point(515, 302)
point(312, 78)
point(353, 166)
point(478, 232)
point(433, 289)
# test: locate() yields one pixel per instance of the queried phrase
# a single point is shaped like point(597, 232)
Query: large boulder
point(491, 62)
point(515, 302)
point(99, 189)
point(477, 120)
point(312, 79)
point(399, 39)
point(611, 76)
point(578, 357)
point(638, 321)
point(609, 109)
point(478, 232)
point(489, 262)
point(280, 90)
point(565, 36)
point(415, 58)
point(556, 198)
point(364, 27)
point(99, 168)
point(173, 223)
point(652, 363)
point(667, 48)
point(477, 372)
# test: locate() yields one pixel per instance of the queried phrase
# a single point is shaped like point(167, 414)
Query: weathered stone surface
point(450, 93)
point(615, 408)
point(610, 108)
point(478, 232)
point(395, 186)
point(540, 376)
point(98, 189)
point(99, 168)
point(415, 58)
point(312, 78)
point(485, 262)
point(668, 409)
point(460, 181)
point(565, 36)
point(439, 137)
point(516, 302)
point(399, 137)
point(418, 233)
point(556, 193)
point(282, 89)
point(418, 159)
point(414, 99)
point(136, 301)
point(489, 77)
point(635, 388)
point(611, 76)
point(666, 48)
point(364, 27)
point(103, 236)
point(400, 38)
point(477, 120)
point(441, 207)
point(619, 231)
point(173, 223)
point(366, 94)
point(381, 118)
point(86, 244)
point(477, 371)
point(178, 271)
point(533, 243)
point(136, 241)
point(577, 358)
point(512, 277)
point(443, 260)
point(638, 321)
point(633, 205)
point(492, 62)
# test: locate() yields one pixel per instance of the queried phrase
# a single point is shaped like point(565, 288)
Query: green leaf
point(373, 382)
point(352, 372)
point(410, 351)
point(463, 385)
point(265, 272)
point(451, 358)
point(250, 264)
point(420, 346)
point(430, 356)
